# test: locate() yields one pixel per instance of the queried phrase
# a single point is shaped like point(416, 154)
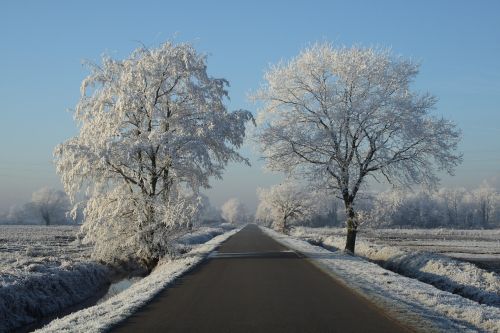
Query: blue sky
point(44, 42)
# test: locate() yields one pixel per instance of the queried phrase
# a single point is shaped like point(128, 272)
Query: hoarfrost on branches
point(152, 127)
point(51, 205)
point(48, 206)
point(339, 115)
point(283, 203)
point(234, 211)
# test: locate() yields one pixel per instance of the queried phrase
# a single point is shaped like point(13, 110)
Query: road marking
point(269, 254)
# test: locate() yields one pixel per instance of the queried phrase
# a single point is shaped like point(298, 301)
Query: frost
point(43, 271)
point(153, 130)
point(338, 116)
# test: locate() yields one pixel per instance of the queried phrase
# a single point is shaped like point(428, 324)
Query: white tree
point(51, 205)
point(208, 213)
point(486, 198)
point(47, 206)
point(284, 203)
point(234, 211)
point(151, 126)
point(338, 116)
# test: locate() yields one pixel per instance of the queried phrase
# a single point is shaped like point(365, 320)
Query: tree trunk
point(150, 254)
point(352, 228)
point(281, 226)
point(351, 240)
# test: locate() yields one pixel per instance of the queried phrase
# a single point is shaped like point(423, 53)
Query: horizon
point(458, 48)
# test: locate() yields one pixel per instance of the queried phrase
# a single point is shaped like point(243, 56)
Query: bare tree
point(338, 116)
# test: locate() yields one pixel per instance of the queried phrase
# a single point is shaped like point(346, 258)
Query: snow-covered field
point(44, 270)
point(481, 247)
point(421, 305)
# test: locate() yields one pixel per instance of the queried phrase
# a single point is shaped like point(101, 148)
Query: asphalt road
point(254, 284)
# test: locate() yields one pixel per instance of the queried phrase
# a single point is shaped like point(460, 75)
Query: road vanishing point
point(254, 284)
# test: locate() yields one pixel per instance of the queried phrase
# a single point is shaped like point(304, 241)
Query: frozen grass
point(420, 305)
point(43, 270)
point(102, 317)
point(439, 270)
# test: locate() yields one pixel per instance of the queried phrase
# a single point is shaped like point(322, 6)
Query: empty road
point(254, 284)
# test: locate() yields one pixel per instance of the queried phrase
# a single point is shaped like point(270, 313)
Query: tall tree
point(340, 115)
point(150, 125)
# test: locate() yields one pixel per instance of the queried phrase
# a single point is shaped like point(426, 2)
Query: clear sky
point(42, 45)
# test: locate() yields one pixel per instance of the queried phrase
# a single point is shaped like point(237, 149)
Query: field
point(43, 270)
point(481, 247)
point(25, 247)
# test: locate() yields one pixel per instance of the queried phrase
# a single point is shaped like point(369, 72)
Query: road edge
point(104, 316)
point(414, 318)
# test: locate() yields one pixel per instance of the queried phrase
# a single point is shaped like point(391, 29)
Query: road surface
point(254, 284)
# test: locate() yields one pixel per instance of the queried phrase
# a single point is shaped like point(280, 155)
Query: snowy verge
point(441, 271)
point(417, 304)
point(48, 290)
point(43, 270)
point(103, 316)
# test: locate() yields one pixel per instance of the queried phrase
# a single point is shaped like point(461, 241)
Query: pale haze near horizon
point(44, 43)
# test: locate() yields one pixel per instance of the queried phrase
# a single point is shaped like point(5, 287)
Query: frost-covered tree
point(451, 199)
point(284, 203)
point(47, 206)
point(150, 127)
point(51, 205)
point(487, 199)
point(208, 213)
point(338, 116)
point(445, 207)
point(234, 211)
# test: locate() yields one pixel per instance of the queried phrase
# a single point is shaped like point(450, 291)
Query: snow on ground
point(420, 305)
point(444, 272)
point(43, 270)
point(103, 316)
point(475, 245)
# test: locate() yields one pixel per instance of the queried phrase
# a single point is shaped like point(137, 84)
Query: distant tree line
point(447, 207)
point(457, 208)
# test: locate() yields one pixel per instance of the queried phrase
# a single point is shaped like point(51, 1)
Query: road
point(254, 284)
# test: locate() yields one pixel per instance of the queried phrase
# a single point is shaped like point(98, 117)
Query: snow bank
point(103, 316)
point(441, 271)
point(420, 305)
point(46, 291)
point(186, 242)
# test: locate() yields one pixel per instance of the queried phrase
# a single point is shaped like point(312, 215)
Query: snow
point(420, 305)
point(43, 270)
point(103, 316)
point(153, 130)
point(441, 271)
